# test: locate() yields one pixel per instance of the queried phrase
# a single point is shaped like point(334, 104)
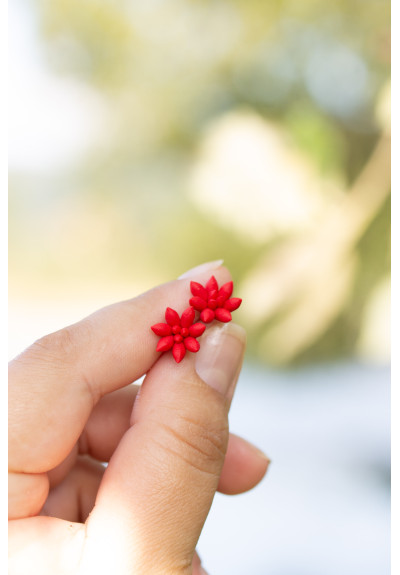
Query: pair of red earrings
point(180, 334)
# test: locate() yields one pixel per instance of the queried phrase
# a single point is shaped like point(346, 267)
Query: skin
point(72, 406)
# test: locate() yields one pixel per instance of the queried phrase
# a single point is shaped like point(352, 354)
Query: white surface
point(324, 506)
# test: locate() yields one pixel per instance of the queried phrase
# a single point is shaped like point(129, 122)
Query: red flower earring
point(214, 303)
point(179, 333)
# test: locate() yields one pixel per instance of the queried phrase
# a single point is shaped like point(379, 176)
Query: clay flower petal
point(212, 284)
point(172, 317)
point(162, 329)
point(165, 343)
point(179, 351)
point(207, 315)
point(213, 302)
point(223, 314)
point(232, 303)
point(197, 329)
point(179, 333)
point(198, 303)
point(198, 290)
point(226, 290)
point(187, 317)
point(191, 344)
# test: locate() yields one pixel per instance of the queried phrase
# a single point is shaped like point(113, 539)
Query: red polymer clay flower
point(179, 333)
point(214, 303)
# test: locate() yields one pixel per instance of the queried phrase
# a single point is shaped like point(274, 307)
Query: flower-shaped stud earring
point(213, 302)
point(179, 333)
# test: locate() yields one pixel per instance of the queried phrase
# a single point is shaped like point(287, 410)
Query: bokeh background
point(149, 137)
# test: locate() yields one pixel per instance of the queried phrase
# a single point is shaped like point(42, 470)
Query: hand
point(71, 407)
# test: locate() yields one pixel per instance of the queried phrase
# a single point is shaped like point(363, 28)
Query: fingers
point(197, 567)
point(57, 547)
point(108, 422)
point(150, 515)
point(26, 494)
point(55, 383)
point(73, 499)
point(153, 511)
point(44, 545)
point(244, 466)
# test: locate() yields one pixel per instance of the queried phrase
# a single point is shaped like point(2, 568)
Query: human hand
point(71, 407)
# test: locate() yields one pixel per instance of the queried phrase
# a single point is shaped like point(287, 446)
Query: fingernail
point(208, 266)
point(220, 357)
point(203, 571)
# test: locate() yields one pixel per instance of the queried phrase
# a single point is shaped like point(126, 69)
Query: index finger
point(55, 383)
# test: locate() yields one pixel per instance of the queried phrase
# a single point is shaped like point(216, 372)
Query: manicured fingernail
point(208, 266)
point(220, 357)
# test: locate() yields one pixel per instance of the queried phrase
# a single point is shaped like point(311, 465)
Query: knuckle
point(62, 346)
point(200, 440)
point(59, 353)
point(58, 344)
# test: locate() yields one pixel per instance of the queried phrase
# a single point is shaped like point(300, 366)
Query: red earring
point(179, 333)
point(214, 303)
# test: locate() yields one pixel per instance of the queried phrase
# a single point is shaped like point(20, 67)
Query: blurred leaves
point(254, 131)
point(92, 39)
point(312, 277)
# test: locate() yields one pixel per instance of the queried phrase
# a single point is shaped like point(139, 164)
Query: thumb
point(160, 482)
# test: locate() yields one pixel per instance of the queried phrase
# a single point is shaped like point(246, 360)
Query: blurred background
point(149, 137)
